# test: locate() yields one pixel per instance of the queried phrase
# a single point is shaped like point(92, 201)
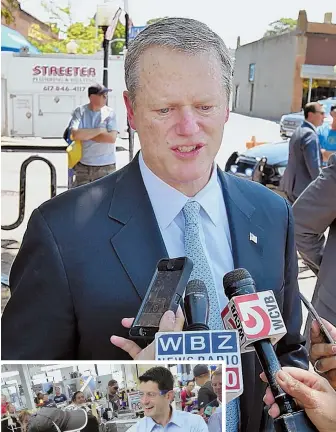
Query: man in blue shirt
point(157, 394)
point(327, 136)
point(95, 126)
point(215, 421)
point(60, 397)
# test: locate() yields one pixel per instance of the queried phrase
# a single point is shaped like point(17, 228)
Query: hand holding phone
point(170, 322)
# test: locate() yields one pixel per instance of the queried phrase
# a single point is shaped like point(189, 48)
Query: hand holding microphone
point(311, 392)
point(258, 321)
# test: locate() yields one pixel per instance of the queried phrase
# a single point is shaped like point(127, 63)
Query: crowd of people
point(157, 394)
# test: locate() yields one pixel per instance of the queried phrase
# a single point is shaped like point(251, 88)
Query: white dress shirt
point(168, 203)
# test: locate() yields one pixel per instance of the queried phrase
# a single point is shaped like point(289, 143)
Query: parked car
point(289, 122)
point(264, 163)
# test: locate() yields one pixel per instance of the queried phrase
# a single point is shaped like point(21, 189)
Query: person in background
point(215, 421)
point(156, 392)
point(304, 159)
point(39, 399)
point(206, 394)
point(48, 403)
point(13, 421)
point(4, 405)
point(327, 136)
point(187, 394)
point(113, 396)
point(311, 391)
point(78, 398)
point(95, 126)
point(59, 397)
point(315, 212)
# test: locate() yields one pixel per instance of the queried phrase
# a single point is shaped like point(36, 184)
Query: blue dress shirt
point(180, 421)
point(168, 203)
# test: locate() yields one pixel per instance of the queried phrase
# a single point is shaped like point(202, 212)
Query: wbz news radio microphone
point(200, 343)
point(257, 318)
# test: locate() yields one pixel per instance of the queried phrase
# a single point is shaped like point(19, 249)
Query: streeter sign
point(70, 71)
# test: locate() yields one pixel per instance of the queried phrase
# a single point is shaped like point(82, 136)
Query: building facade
point(14, 17)
point(279, 74)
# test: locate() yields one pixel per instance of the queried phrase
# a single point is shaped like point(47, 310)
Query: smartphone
point(164, 293)
point(312, 312)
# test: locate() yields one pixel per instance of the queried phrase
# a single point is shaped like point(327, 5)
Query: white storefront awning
point(318, 72)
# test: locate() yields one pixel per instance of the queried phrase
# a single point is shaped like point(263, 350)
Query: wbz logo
point(215, 345)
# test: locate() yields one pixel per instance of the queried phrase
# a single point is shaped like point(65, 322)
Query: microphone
point(256, 329)
point(196, 306)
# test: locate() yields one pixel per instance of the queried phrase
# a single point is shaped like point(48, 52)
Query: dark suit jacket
point(88, 256)
point(315, 212)
point(304, 160)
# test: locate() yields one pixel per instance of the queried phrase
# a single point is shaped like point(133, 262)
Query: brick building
point(21, 21)
point(279, 74)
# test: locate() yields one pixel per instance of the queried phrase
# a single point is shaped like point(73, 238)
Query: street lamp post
point(107, 18)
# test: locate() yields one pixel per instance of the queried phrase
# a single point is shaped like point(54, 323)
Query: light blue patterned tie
point(201, 270)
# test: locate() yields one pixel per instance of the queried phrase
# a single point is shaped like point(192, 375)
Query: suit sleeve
point(311, 153)
point(314, 211)
point(38, 322)
point(290, 349)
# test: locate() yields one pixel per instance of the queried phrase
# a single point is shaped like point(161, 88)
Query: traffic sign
point(134, 31)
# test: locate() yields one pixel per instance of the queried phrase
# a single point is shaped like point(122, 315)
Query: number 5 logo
point(255, 320)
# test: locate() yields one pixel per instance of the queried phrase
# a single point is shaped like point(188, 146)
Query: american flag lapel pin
point(253, 238)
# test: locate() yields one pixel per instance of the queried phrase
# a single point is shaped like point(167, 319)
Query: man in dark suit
point(315, 212)
point(89, 254)
point(304, 159)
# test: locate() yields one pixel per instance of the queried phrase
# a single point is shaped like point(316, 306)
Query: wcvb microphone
point(258, 320)
point(200, 343)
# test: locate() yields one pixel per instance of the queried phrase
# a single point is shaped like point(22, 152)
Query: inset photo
point(111, 397)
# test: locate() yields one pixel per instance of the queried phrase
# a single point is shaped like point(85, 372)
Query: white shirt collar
point(311, 124)
point(166, 209)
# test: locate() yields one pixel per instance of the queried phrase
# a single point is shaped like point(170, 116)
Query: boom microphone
point(196, 305)
point(251, 310)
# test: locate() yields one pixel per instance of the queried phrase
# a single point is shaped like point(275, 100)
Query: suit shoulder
point(259, 195)
point(82, 198)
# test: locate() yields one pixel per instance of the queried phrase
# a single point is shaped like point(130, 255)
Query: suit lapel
point(247, 239)
point(138, 243)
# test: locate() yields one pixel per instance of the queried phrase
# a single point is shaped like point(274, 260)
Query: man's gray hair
point(180, 34)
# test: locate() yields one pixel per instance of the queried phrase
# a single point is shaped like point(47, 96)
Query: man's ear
point(129, 109)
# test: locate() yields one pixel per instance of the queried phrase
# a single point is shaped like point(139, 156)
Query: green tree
point(119, 33)
point(89, 41)
point(283, 25)
point(7, 9)
point(154, 20)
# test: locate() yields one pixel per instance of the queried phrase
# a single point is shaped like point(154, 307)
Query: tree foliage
point(283, 25)
point(154, 20)
point(7, 9)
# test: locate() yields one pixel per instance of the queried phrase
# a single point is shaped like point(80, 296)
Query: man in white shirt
point(157, 394)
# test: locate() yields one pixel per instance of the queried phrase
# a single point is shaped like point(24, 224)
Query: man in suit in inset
point(89, 254)
point(304, 158)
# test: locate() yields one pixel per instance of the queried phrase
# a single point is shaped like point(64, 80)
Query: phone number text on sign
point(64, 88)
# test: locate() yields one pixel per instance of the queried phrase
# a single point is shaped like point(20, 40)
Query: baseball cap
point(98, 89)
point(200, 369)
point(55, 419)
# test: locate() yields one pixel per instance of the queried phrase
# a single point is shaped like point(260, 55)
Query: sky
point(230, 19)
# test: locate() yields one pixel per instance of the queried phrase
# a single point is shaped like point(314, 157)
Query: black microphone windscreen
point(238, 282)
point(196, 286)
